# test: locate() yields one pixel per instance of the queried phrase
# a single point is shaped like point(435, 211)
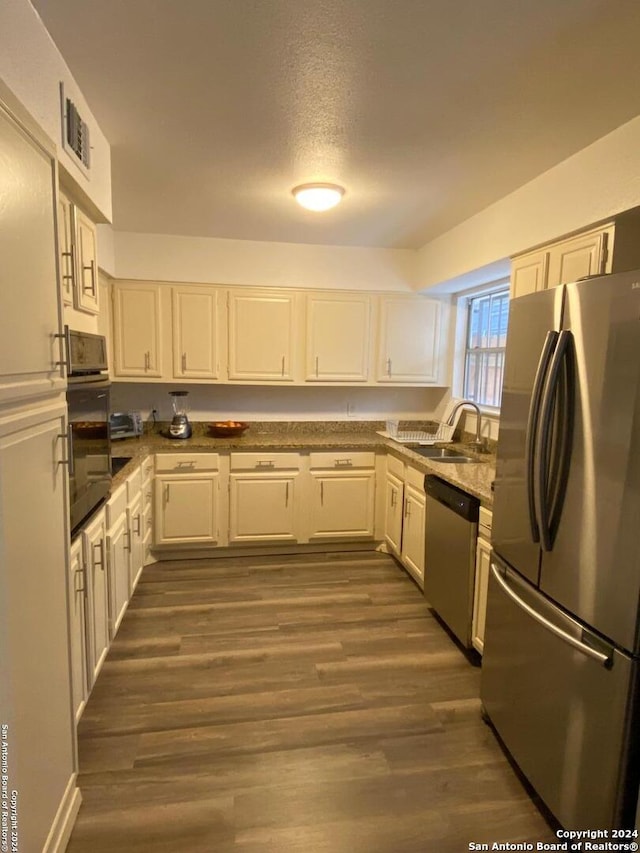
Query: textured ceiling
point(426, 111)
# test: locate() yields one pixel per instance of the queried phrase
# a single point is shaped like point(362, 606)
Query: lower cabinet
point(405, 515)
point(95, 559)
point(483, 565)
point(78, 628)
point(186, 506)
point(263, 497)
point(342, 500)
point(118, 549)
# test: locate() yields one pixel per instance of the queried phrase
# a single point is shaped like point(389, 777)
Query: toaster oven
point(125, 425)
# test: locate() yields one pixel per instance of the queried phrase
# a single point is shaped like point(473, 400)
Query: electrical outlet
point(351, 410)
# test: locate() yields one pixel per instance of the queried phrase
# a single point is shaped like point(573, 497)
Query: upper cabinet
point(409, 340)
point(137, 338)
point(262, 335)
point(208, 333)
point(337, 337)
point(612, 247)
point(195, 332)
point(78, 257)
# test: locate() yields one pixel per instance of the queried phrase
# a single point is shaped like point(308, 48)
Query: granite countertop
point(472, 477)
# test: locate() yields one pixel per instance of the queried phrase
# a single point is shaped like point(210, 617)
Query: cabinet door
point(186, 509)
point(28, 270)
point(578, 257)
point(87, 257)
point(483, 564)
point(394, 503)
point(136, 328)
point(195, 333)
point(118, 548)
point(409, 341)
point(66, 244)
point(337, 338)
point(136, 540)
point(262, 507)
point(262, 336)
point(77, 628)
point(95, 557)
point(342, 505)
point(529, 273)
point(413, 531)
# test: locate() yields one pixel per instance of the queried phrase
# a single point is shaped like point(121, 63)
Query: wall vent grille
point(75, 131)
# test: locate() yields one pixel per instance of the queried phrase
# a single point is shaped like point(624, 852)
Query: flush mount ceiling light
point(318, 196)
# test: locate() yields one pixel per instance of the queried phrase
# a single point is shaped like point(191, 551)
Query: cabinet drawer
point(339, 460)
point(147, 469)
point(264, 461)
point(186, 463)
point(117, 505)
point(414, 477)
point(134, 484)
point(395, 467)
point(484, 523)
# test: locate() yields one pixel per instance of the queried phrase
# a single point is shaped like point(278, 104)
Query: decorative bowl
point(228, 429)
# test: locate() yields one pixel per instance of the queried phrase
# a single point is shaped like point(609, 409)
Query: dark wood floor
point(290, 705)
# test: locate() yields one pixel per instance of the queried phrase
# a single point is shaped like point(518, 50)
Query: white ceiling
point(426, 111)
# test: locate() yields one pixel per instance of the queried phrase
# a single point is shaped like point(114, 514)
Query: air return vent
point(75, 132)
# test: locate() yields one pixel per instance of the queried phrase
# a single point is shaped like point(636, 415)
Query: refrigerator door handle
point(532, 429)
point(542, 452)
point(605, 659)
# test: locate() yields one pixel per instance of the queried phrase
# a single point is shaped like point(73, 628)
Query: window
point(488, 314)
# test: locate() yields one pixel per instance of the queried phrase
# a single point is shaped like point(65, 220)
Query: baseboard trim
point(167, 553)
point(65, 818)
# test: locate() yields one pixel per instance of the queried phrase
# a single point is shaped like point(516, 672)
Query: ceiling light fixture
point(318, 196)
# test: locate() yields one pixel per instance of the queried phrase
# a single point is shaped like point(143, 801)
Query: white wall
point(592, 185)
point(32, 67)
point(262, 403)
point(160, 257)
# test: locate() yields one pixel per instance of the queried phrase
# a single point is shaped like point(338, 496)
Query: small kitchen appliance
point(125, 425)
point(180, 426)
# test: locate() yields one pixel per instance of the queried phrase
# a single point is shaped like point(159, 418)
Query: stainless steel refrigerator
point(560, 666)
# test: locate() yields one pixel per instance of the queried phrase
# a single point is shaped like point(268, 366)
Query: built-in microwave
point(88, 388)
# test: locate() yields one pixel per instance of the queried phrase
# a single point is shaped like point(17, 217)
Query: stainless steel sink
point(442, 454)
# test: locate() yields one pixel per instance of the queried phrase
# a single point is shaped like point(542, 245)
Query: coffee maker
point(179, 426)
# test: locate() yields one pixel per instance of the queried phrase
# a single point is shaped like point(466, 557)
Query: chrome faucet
point(478, 443)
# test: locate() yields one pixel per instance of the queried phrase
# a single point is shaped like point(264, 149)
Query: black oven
point(89, 443)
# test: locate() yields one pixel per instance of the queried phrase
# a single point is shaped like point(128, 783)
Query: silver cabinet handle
point(388, 367)
point(343, 463)
point(266, 463)
point(136, 521)
point(127, 545)
point(286, 495)
point(322, 491)
point(65, 337)
point(394, 496)
point(605, 660)
point(147, 360)
point(92, 287)
point(82, 587)
point(68, 437)
point(99, 563)
point(317, 366)
point(184, 362)
point(283, 365)
point(166, 493)
point(407, 508)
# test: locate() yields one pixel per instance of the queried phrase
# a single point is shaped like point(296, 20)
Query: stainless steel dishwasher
point(450, 554)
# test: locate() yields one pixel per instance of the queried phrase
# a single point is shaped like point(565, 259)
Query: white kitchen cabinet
point(186, 504)
point(413, 529)
point(394, 511)
point(264, 497)
point(409, 341)
point(337, 337)
point(147, 508)
point(95, 559)
point(342, 499)
point(86, 290)
point(137, 343)
point(481, 585)
point(66, 245)
point(77, 628)
point(262, 326)
point(136, 553)
point(611, 247)
point(118, 548)
point(195, 332)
